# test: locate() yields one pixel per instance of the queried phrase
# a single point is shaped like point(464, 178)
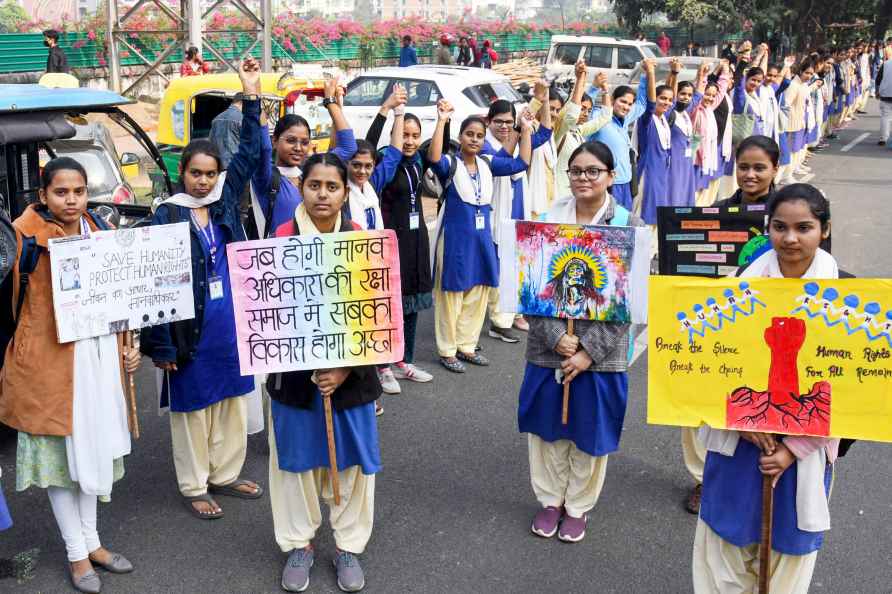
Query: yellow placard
point(793, 356)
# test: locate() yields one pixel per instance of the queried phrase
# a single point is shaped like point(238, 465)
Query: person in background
point(654, 145)
point(681, 153)
point(192, 64)
point(443, 55)
point(884, 93)
point(707, 156)
point(299, 471)
point(226, 128)
point(402, 209)
point(366, 181)
point(488, 55)
point(466, 265)
point(56, 60)
point(664, 42)
point(408, 55)
point(463, 54)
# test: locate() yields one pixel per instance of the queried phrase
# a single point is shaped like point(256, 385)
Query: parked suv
point(469, 90)
point(616, 57)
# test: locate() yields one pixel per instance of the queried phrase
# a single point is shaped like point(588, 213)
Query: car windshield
point(652, 51)
point(483, 95)
point(366, 92)
point(101, 178)
point(566, 54)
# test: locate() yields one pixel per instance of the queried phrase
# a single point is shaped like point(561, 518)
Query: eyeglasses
point(503, 123)
point(592, 173)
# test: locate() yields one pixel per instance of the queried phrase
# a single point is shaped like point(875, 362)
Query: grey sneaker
point(350, 576)
point(503, 334)
point(296, 575)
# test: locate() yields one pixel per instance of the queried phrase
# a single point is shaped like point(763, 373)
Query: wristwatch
point(328, 101)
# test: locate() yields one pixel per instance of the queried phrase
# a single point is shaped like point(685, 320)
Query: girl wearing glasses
point(467, 269)
point(512, 198)
point(275, 188)
point(568, 462)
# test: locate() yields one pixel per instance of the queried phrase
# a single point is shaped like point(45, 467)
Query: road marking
point(852, 144)
point(640, 346)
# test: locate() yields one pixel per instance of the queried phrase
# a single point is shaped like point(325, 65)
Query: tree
point(11, 16)
point(630, 13)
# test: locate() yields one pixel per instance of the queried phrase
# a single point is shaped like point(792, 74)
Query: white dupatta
point(540, 194)
point(812, 509)
point(503, 189)
point(361, 200)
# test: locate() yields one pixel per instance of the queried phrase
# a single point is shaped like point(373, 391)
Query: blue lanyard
point(478, 188)
point(370, 218)
point(412, 196)
point(208, 236)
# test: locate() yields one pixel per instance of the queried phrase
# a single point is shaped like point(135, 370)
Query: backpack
point(27, 264)
point(247, 208)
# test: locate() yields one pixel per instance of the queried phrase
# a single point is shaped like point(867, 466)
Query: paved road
point(454, 502)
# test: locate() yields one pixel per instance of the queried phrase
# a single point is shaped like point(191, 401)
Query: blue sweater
point(408, 56)
point(616, 135)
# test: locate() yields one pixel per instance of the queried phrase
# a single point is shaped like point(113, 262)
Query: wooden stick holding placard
point(565, 411)
point(332, 451)
point(131, 392)
point(765, 544)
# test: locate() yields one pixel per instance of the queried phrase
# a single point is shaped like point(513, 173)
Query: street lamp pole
point(114, 59)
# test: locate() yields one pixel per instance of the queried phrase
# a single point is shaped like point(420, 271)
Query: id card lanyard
point(414, 215)
point(479, 223)
point(215, 283)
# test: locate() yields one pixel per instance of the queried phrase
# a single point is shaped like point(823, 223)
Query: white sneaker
point(388, 382)
point(410, 372)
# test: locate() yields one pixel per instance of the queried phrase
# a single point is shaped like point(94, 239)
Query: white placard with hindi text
point(112, 281)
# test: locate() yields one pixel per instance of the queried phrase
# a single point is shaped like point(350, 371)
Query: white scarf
point(563, 210)
point(503, 188)
point(189, 201)
point(770, 126)
point(664, 133)
point(479, 193)
point(726, 139)
point(812, 509)
point(362, 199)
point(544, 160)
point(683, 122)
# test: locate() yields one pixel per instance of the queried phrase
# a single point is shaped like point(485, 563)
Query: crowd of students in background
point(738, 130)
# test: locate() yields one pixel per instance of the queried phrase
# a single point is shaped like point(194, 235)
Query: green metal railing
point(25, 52)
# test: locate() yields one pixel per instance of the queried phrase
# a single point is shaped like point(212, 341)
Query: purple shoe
point(572, 529)
point(545, 524)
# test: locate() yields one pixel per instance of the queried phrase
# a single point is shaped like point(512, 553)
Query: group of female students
point(344, 190)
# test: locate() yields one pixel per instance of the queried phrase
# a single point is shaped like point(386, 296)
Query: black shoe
point(504, 334)
point(881, 143)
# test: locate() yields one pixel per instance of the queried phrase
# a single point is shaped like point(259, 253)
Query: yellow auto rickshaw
point(191, 103)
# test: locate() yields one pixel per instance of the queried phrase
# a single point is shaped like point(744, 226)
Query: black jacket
point(56, 61)
point(296, 388)
point(737, 199)
point(414, 244)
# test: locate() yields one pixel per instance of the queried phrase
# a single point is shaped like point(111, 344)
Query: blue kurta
point(5, 518)
point(653, 166)
point(469, 254)
point(616, 135)
point(732, 502)
point(302, 444)
point(681, 162)
point(596, 410)
point(741, 106)
point(213, 375)
point(622, 193)
point(289, 195)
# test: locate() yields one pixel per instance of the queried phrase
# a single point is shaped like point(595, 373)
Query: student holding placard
point(568, 462)
point(202, 382)
point(466, 267)
point(403, 211)
point(366, 181)
point(66, 400)
point(299, 473)
point(728, 532)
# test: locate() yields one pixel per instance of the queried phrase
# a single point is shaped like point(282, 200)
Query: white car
point(616, 57)
point(469, 90)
